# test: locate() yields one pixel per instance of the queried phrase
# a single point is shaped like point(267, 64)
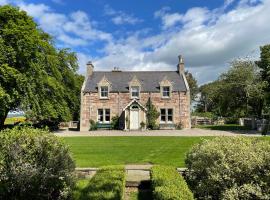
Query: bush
point(107, 184)
point(115, 122)
point(151, 115)
point(230, 168)
point(168, 184)
point(34, 165)
point(231, 120)
point(203, 114)
point(179, 126)
point(93, 125)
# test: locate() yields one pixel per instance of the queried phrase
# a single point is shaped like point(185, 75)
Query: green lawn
point(100, 151)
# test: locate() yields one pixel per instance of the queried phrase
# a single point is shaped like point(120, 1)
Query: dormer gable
point(104, 87)
point(135, 81)
point(165, 87)
point(135, 88)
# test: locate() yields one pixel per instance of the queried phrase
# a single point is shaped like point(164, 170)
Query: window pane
point(104, 91)
point(163, 115)
point(163, 118)
point(107, 115)
point(135, 91)
point(170, 115)
point(100, 115)
point(162, 111)
point(166, 91)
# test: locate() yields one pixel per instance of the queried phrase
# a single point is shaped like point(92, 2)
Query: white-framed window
point(104, 92)
point(166, 115)
point(104, 115)
point(166, 91)
point(135, 91)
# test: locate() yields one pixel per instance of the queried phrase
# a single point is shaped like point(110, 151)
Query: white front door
point(134, 119)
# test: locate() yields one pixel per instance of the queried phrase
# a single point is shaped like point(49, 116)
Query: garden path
point(185, 132)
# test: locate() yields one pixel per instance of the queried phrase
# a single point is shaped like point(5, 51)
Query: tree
point(193, 85)
point(209, 94)
point(264, 65)
point(237, 92)
point(34, 75)
point(151, 115)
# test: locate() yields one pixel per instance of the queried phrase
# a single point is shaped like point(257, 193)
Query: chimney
point(89, 68)
point(181, 65)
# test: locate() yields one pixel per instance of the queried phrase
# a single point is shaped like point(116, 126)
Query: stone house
point(106, 94)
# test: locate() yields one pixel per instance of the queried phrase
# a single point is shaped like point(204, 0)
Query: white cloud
point(82, 60)
point(75, 29)
point(192, 18)
point(120, 17)
point(4, 2)
point(208, 40)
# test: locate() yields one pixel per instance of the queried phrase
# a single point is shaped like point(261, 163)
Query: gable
point(149, 80)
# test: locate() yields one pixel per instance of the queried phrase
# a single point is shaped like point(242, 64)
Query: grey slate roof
point(149, 80)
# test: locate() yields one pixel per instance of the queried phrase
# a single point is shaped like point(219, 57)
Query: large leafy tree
point(264, 65)
point(34, 75)
point(238, 92)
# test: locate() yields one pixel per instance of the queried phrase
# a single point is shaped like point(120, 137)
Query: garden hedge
point(230, 168)
point(107, 184)
point(168, 184)
point(34, 164)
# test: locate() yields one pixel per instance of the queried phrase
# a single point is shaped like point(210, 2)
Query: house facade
point(106, 94)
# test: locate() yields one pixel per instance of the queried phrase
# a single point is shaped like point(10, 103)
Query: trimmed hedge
point(230, 168)
point(34, 164)
point(168, 184)
point(107, 184)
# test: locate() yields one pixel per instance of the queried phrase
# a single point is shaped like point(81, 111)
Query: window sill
point(166, 122)
point(104, 98)
point(166, 98)
point(135, 98)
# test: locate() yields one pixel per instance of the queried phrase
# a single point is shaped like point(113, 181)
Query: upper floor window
point(166, 115)
point(166, 91)
point(104, 91)
point(135, 91)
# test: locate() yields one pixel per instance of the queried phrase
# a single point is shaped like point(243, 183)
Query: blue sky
point(149, 35)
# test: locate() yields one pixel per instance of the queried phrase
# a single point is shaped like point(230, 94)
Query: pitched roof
point(149, 80)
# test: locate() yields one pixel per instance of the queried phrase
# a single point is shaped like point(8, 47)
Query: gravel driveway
point(186, 132)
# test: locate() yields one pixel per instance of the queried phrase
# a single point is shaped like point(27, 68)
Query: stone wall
point(179, 102)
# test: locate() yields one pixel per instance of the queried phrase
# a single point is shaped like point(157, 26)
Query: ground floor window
point(166, 115)
point(104, 115)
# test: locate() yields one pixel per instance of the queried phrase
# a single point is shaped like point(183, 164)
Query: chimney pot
point(181, 64)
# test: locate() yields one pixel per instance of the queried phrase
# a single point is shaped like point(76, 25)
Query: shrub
point(151, 115)
point(34, 165)
point(107, 184)
point(93, 125)
point(179, 126)
point(230, 167)
point(231, 120)
point(168, 184)
point(203, 114)
point(115, 122)
point(142, 124)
